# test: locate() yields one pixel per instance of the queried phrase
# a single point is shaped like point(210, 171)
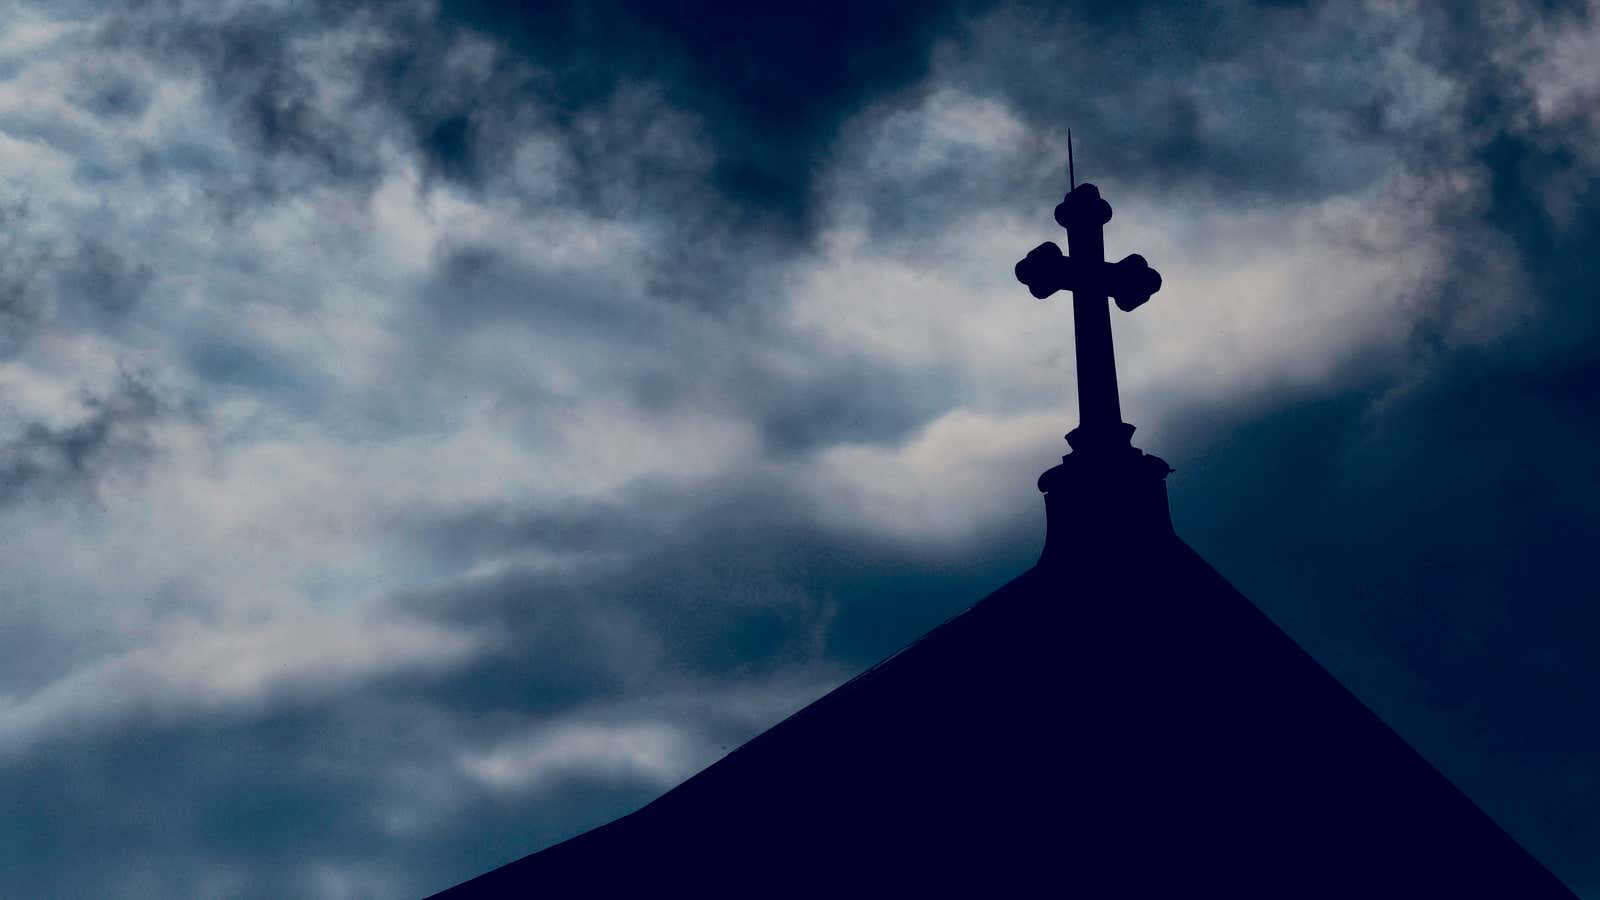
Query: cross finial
point(1106, 493)
point(1092, 281)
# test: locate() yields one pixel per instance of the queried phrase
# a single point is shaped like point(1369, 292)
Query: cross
point(1091, 280)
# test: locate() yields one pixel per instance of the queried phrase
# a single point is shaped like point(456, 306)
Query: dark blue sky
point(428, 430)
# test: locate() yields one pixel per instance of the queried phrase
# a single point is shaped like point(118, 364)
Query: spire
point(1112, 487)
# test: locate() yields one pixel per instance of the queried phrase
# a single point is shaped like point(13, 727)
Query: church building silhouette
point(1118, 721)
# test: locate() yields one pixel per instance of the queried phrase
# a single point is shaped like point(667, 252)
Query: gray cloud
point(112, 434)
point(522, 406)
point(21, 261)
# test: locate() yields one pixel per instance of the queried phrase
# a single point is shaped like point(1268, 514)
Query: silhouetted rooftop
point(1118, 721)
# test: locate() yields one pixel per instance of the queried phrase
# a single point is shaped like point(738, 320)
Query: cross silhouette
point(1091, 280)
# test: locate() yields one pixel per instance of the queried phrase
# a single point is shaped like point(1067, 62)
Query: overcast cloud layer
point(429, 430)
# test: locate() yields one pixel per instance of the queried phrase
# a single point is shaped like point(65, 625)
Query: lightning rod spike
point(1072, 177)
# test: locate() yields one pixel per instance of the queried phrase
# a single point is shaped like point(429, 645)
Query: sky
point(429, 430)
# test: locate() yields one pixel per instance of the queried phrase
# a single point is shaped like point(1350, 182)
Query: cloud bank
point(429, 430)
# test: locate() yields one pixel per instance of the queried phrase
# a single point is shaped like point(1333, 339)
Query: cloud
point(432, 429)
point(74, 442)
point(192, 669)
point(656, 753)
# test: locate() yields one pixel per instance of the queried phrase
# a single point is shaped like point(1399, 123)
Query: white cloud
point(190, 668)
point(656, 752)
point(290, 499)
point(359, 393)
point(962, 474)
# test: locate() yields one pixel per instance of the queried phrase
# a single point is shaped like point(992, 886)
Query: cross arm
point(1129, 282)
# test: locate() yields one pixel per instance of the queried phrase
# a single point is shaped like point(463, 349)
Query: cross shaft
point(1092, 281)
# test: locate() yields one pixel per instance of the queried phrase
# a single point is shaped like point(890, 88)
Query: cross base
point(1104, 496)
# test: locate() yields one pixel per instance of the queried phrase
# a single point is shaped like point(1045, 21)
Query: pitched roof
point(1118, 721)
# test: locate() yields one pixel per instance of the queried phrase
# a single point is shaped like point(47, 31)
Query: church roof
point(1124, 723)
point(1119, 721)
